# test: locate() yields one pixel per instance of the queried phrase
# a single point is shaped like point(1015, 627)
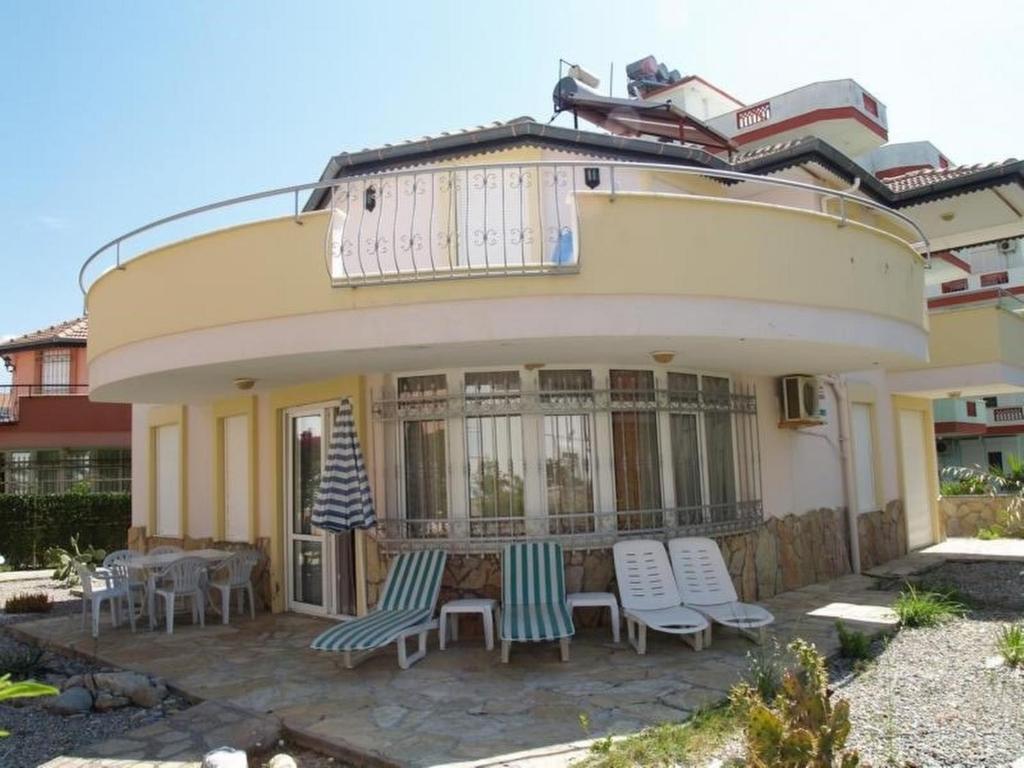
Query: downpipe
point(838, 387)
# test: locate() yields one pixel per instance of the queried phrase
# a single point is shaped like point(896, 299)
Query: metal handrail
point(842, 196)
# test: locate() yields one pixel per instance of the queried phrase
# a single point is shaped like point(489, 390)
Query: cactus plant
point(802, 727)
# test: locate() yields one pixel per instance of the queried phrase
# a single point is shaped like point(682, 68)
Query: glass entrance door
point(306, 546)
point(321, 566)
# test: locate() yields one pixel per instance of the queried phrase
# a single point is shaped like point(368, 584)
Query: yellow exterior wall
point(979, 335)
point(902, 402)
point(641, 244)
point(223, 409)
point(164, 416)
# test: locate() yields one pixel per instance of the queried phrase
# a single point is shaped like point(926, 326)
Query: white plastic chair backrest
point(700, 572)
point(119, 556)
point(185, 574)
point(85, 576)
point(165, 549)
point(124, 557)
point(644, 575)
point(239, 566)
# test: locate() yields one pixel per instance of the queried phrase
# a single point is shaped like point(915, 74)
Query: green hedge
point(30, 524)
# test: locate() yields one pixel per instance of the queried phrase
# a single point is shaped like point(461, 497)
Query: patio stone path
point(179, 741)
point(460, 706)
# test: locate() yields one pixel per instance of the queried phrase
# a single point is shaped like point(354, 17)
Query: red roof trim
point(817, 115)
point(1005, 429)
point(958, 428)
point(899, 170)
point(972, 297)
point(956, 261)
point(692, 78)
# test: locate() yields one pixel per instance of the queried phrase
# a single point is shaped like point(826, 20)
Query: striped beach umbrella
point(343, 500)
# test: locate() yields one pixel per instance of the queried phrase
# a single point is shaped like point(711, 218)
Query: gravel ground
point(63, 602)
point(990, 584)
point(931, 700)
point(38, 735)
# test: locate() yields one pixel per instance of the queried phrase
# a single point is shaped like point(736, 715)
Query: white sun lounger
point(705, 585)
point(650, 597)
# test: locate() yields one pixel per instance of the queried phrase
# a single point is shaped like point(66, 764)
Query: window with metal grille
point(55, 376)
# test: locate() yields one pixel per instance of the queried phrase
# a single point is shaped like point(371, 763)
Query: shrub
point(853, 644)
point(21, 661)
point(29, 689)
point(964, 487)
point(919, 608)
point(802, 727)
point(30, 524)
point(765, 668)
point(29, 602)
point(1010, 644)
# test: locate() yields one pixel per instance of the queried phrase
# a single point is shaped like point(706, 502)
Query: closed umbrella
point(343, 500)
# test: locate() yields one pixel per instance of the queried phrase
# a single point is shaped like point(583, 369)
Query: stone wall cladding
point(966, 515)
point(140, 542)
point(782, 554)
point(882, 534)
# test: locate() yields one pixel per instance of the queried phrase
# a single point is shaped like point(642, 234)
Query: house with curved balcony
point(545, 332)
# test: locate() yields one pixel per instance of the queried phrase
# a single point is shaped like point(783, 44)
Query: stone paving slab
point(460, 706)
point(179, 741)
point(958, 549)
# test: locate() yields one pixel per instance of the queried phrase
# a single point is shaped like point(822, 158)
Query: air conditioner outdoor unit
point(800, 406)
point(1007, 246)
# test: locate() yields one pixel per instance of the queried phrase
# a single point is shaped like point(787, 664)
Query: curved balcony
point(583, 267)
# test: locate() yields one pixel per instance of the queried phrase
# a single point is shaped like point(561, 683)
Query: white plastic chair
point(705, 584)
point(115, 589)
point(136, 576)
point(650, 597)
point(183, 578)
point(237, 571)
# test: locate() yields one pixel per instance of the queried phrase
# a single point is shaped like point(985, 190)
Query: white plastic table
point(597, 600)
point(487, 608)
point(153, 564)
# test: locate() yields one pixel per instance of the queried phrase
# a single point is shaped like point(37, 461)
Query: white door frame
point(328, 552)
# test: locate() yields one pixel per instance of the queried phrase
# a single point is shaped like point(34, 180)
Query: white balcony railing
point(1008, 414)
point(469, 221)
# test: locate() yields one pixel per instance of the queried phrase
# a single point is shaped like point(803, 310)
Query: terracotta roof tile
point(925, 177)
point(74, 331)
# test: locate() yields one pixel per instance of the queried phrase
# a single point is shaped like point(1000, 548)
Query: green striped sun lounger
point(405, 609)
point(533, 605)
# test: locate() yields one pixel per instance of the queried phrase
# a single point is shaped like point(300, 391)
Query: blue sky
point(116, 113)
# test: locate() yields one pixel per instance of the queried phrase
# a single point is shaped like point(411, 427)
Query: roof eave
point(491, 139)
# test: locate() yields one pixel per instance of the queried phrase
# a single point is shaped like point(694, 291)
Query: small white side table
point(597, 600)
point(487, 608)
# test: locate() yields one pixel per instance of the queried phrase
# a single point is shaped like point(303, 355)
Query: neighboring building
point(52, 437)
point(980, 432)
point(585, 334)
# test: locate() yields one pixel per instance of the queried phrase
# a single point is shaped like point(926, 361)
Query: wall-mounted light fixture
point(8, 365)
point(663, 357)
point(244, 383)
point(370, 198)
